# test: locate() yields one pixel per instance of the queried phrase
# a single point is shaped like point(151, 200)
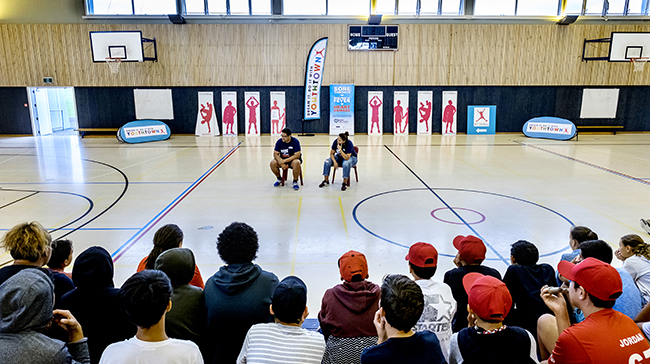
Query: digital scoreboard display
point(372, 37)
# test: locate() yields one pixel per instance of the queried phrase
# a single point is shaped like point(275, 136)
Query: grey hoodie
point(186, 320)
point(26, 301)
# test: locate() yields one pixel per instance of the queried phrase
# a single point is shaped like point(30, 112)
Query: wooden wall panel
point(274, 55)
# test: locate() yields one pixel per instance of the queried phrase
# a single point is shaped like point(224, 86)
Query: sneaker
point(344, 187)
point(645, 224)
point(323, 184)
point(277, 183)
point(295, 186)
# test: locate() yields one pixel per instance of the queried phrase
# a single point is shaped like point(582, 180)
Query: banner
point(206, 119)
point(481, 119)
point(375, 113)
point(401, 113)
point(341, 109)
point(313, 79)
point(278, 113)
point(252, 114)
point(425, 106)
point(229, 112)
point(449, 112)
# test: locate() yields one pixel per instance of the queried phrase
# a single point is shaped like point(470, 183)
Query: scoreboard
point(372, 37)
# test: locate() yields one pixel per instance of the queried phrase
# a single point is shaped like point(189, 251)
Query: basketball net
point(639, 63)
point(114, 64)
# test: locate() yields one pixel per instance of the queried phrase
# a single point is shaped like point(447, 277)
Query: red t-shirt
point(604, 337)
point(197, 280)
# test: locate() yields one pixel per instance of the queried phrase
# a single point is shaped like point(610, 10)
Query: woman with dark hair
point(342, 154)
point(635, 254)
point(168, 237)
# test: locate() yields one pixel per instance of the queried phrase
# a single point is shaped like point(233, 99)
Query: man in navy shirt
point(286, 155)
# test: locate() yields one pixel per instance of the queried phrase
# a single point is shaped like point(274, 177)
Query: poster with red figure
point(229, 113)
point(449, 112)
point(278, 113)
point(375, 112)
point(206, 119)
point(252, 113)
point(401, 113)
point(425, 106)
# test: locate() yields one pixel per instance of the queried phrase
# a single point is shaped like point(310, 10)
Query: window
point(536, 7)
point(429, 7)
point(110, 7)
point(494, 7)
point(407, 7)
point(347, 7)
point(261, 7)
point(303, 7)
point(573, 7)
point(385, 7)
point(636, 7)
point(154, 7)
point(451, 7)
point(239, 7)
point(594, 7)
point(194, 7)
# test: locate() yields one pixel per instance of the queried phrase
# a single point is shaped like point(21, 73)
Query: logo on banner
point(206, 114)
point(313, 79)
point(550, 128)
point(143, 131)
point(481, 116)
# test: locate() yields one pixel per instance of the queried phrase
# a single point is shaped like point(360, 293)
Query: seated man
point(401, 305)
point(487, 340)
point(605, 336)
point(284, 340)
point(286, 155)
point(146, 298)
point(26, 302)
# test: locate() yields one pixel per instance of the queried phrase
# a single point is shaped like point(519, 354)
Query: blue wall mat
point(142, 131)
point(549, 127)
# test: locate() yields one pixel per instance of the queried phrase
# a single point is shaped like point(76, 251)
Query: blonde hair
point(639, 247)
point(29, 241)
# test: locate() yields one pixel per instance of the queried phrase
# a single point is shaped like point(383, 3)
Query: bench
point(598, 128)
point(85, 131)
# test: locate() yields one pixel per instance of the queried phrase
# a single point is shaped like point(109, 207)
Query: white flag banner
point(278, 113)
point(229, 113)
point(206, 119)
point(252, 113)
point(401, 113)
point(314, 79)
point(425, 105)
point(449, 112)
point(375, 113)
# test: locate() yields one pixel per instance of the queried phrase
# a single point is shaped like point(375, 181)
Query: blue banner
point(341, 109)
point(313, 79)
point(481, 119)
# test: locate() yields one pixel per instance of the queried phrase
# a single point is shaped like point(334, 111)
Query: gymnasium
point(579, 60)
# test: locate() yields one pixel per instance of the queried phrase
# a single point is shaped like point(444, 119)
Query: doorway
point(53, 110)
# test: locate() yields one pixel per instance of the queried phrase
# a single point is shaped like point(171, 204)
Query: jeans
point(346, 164)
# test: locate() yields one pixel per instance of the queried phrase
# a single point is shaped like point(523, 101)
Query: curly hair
point(639, 247)
point(402, 301)
point(237, 243)
point(28, 241)
point(167, 237)
point(524, 252)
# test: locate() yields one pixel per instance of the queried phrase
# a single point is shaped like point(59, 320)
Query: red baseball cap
point(351, 264)
point(471, 248)
point(487, 296)
point(597, 277)
point(420, 253)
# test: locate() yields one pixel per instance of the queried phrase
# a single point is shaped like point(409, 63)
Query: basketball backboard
point(627, 45)
point(126, 45)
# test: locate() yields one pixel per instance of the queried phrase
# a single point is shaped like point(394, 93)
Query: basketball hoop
point(639, 63)
point(114, 64)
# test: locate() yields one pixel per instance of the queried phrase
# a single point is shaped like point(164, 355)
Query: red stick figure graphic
point(229, 117)
point(448, 117)
point(375, 113)
point(481, 115)
point(400, 115)
point(425, 113)
point(252, 104)
point(283, 117)
point(275, 118)
point(206, 114)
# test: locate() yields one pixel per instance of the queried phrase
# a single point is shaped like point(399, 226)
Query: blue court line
point(507, 262)
point(354, 214)
point(640, 180)
point(164, 211)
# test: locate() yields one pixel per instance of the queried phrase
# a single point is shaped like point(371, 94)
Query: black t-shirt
point(422, 348)
point(454, 279)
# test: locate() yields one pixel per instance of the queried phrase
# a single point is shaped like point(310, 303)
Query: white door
point(41, 109)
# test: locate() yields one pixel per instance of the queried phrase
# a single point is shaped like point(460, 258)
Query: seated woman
point(634, 253)
point(343, 155)
point(168, 237)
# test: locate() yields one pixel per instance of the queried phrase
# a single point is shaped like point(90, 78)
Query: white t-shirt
point(170, 351)
point(277, 343)
point(439, 310)
point(639, 269)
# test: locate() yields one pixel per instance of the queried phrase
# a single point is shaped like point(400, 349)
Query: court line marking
point(18, 200)
point(92, 183)
point(620, 174)
point(148, 226)
point(295, 239)
point(345, 225)
point(91, 229)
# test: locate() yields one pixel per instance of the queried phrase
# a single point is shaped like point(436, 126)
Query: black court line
point(450, 208)
point(18, 200)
